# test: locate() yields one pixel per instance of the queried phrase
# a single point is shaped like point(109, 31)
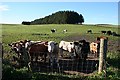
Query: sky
point(93, 12)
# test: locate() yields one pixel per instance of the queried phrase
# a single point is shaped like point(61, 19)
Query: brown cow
point(34, 49)
point(39, 49)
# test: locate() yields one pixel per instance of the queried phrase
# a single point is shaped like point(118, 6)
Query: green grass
point(14, 32)
point(18, 32)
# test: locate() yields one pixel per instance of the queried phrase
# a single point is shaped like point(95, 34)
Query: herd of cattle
point(109, 32)
point(105, 32)
point(54, 30)
point(35, 49)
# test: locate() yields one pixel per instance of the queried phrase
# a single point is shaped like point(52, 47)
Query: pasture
point(15, 32)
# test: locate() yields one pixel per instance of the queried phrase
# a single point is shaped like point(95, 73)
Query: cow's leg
point(29, 66)
point(51, 61)
point(61, 52)
point(72, 55)
point(57, 62)
point(36, 56)
point(45, 55)
point(31, 57)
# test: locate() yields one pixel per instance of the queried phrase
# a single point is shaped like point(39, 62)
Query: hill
point(60, 17)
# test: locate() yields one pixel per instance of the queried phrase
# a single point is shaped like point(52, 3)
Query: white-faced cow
point(53, 50)
point(23, 56)
point(95, 47)
point(17, 47)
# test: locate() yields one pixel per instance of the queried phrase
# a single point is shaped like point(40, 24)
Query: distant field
point(15, 32)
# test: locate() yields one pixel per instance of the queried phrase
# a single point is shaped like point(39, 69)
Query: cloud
point(3, 7)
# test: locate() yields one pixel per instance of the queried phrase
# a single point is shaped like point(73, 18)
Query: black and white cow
point(82, 49)
point(53, 30)
point(65, 30)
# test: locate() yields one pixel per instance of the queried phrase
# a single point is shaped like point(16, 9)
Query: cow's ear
point(46, 43)
point(71, 43)
point(9, 45)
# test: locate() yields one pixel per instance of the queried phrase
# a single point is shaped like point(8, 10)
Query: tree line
point(60, 17)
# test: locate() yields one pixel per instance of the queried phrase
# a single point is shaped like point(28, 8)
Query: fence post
point(102, 54)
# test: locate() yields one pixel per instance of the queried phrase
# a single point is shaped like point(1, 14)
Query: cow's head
point(16, 46)
point(52, 46)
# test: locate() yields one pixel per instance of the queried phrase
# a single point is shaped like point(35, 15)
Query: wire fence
point(67, 65)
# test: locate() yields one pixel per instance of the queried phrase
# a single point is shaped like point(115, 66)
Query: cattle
point(89, 31)
point(65, 30)
point(95, 47)
point(66, 46)
point(53, 50)
point(17, 47)
point(38, 50)
point(103, 32)
point(77, 49)
point(23, 56)
point(109, 32)
point(29, 42)
point(82, 48)
point(33, 48)
point(53, 30)
point(114, 34)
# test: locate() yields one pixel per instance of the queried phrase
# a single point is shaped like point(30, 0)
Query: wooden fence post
point(102, 54)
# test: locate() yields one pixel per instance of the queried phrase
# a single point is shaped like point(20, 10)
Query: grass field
point(15, 32)
point(18, 32)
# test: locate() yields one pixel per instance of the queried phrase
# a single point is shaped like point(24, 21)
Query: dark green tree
point(61, 17)
point(81, 19)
